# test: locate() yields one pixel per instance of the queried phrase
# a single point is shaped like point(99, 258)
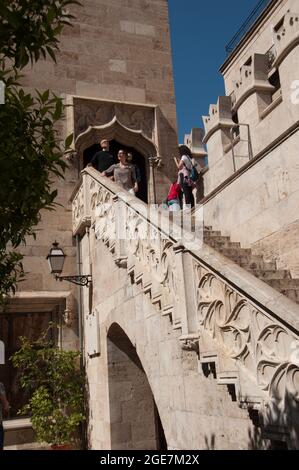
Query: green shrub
point(55, 384)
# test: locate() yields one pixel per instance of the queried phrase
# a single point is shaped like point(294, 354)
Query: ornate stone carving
point(103, 214)
point(249, 335)
point(89, 112)
point(78, 208)
point(136, 118)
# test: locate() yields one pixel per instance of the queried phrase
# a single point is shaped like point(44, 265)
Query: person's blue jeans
point(1, 436)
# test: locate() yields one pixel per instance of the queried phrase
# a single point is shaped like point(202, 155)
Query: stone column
point(185, 309)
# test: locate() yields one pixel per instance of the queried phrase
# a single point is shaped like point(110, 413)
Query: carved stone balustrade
point(224, 314)
point(81, 207)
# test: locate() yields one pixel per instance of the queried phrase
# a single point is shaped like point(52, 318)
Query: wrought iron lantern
point(56, 259)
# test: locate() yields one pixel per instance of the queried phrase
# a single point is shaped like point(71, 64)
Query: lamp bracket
point(81, 280)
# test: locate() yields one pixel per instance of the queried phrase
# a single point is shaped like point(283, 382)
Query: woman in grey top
point(123, 173)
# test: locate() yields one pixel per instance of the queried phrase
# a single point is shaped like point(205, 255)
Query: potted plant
point(55, 384)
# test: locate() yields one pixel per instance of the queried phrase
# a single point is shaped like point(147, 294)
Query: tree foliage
point(31, 153)
point(55, 385)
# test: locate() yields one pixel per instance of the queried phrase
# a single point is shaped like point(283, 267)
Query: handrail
point(250, 151)
point(248, 23)
point(261, 294)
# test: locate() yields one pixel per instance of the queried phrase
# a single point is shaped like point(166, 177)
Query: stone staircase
point(279, 279)
point(224, 302)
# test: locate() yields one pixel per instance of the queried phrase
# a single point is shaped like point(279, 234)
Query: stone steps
point(29, 446)
point(284, 283)
point(265, 275)
point(267, 271)
point(18, 432)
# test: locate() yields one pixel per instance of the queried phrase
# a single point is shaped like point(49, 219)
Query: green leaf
point(45, 96)
point(68, 141)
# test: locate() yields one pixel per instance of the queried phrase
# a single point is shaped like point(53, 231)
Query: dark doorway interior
point(138, 160)
point(12, 326)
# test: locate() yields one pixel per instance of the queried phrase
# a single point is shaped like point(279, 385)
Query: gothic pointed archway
point(120, 136)
point(138, 159)
point(134, 418)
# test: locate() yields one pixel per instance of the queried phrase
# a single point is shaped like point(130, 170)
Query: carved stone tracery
point(248, 335)
point(96, 113)
point(251, 337)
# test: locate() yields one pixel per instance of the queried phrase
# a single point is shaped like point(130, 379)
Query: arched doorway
point(120, 136)
point(134, 418)
point(138, 159)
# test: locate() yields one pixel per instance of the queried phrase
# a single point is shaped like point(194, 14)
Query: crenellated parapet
point(195, 142)
point(219, 118)
point(286, 37)
point(253, 79)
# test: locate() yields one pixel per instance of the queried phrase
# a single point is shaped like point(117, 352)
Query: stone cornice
point(222, 124)
point(257, 86)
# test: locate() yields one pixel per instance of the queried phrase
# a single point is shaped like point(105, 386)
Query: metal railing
point(248, 156)
point(260, 7)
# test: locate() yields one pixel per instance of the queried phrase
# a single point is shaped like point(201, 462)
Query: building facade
point(251, 185)
point(189, 340)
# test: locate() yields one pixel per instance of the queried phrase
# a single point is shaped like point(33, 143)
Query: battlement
point(286, 36)
point(220, 117)
point(194, 141)
point(253, 78)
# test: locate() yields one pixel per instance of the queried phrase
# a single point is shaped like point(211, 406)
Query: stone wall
point(261, 206)
point(118, 51)
point(257, 206)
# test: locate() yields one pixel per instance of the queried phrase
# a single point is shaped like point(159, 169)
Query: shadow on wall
point(277, 428)
point(210, 442)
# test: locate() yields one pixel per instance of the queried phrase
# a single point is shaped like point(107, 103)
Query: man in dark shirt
point(102, 160)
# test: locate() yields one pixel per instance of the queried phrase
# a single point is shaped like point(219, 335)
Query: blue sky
point(200, 30)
